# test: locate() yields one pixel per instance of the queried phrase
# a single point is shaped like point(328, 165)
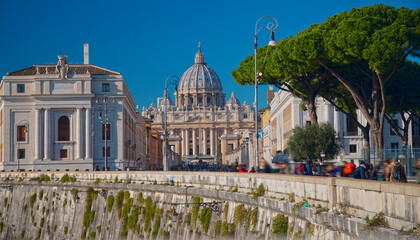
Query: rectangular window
point(351, 127)
point(245, 116)
point(208, 151)
point(107, 132)
point(108, 151)
point(21, 88)
point(394, 145)
point(106, 87)
point(395, 123)
point(63, 153)
point(21, 153)
point(230, 147)
point(353, 148)
point(21, 133)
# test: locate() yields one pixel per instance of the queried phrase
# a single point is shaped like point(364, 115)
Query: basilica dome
point(199, 76)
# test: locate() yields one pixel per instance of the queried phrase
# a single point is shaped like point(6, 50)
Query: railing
point(408, 156)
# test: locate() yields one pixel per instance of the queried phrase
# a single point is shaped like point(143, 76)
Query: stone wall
point(51, 209)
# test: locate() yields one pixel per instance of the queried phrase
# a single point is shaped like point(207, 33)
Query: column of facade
point(78, 133)
point(204, 142)
point(212, 142)
point(194, 147)
point(37, 130)
point(88, 130)
point(337, 123)
point(47, 134)
point(187, 143)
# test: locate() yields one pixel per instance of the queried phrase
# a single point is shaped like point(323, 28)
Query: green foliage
point(195, 210)
point(149, 213)
point(41, 178)
point(38, 236)
point(64, 202)
point(280, 225)
point(66, 230)
point(67, 178)
point(41, 224)
point(188, 219)
point(226, 210)
point(5, 201)
point(92, 235)
point(205, 219)
point(99, 228)
point(219, 152)
point(20, 179)
point(218, 228)
point(97, 180)
point(6, 179)
point(119, 203)
point(110, 203)
point(238, 215)
point(41, 194)
point(89, 214)
point(1, 226)
point(260, 191)
point(32, 201)
point(235, 189)
point(320, 209)
point(378, 220)
point(55, 228)
point(116, 179)
point(74, 192)
point(133, 218)
point(156, 225)
point(225, 228)
point(22, 234)
point(140, 198)
point(310, 140)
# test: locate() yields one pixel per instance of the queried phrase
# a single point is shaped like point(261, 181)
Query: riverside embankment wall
point(62, 213)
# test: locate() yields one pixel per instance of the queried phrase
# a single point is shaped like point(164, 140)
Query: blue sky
point(147, 41)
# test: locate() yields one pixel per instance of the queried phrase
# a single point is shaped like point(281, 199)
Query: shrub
point(205, 219)
point(225, 229)
point(218, 228)
point(66, 229)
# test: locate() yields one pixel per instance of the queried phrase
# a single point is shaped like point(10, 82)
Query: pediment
point(199, 119)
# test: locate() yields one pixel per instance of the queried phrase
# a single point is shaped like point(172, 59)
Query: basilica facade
point(201, 122)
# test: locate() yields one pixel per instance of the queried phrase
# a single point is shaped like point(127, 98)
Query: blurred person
point(308, 167)
point(235, 167)
point(360, 172)
point(397, 173)
point(349, 168)
point(266, 167)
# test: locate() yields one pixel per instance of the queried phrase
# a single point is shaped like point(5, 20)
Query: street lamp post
point(165, 100)
point(106, 100)
point(258, 75)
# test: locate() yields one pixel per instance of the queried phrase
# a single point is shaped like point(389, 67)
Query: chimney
point(86, 53)
point(270, 95)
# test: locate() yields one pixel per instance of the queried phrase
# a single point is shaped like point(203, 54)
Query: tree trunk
point(377, 134)
point(310, 104)
point(366, 142)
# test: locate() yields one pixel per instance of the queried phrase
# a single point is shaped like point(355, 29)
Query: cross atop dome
point(199, 56)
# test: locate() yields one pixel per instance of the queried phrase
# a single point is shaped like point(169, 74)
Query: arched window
point(63, 129)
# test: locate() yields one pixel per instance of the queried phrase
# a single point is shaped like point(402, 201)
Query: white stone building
point(287, 114)
point(53, 117)
point(200, 116)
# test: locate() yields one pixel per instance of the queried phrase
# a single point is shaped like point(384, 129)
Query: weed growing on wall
point(74, 192)
point(378, 220)
point(67, 178)
point(218, 228)
point(5, 201)
point(110, 202)
point(195, 210)
point(238, 215)
point(225, 229)
point(205, 219)
point(260, 191)
point(226, 210)
point(89, 214)
point(32, 201)
point(280, 225)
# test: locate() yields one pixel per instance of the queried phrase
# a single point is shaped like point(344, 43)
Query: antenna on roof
point(86, 53)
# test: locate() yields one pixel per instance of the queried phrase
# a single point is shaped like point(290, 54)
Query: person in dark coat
point(235, 167)
point(308, 167)
point(360, 172)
